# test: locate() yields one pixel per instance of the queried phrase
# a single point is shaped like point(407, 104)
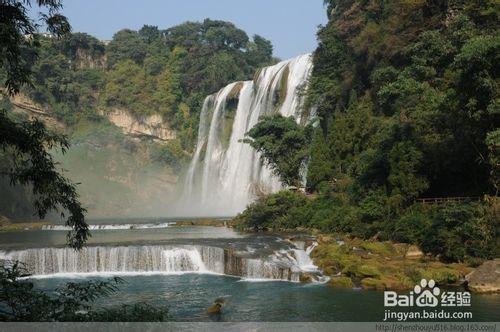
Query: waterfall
point(226, 174)
point(147, 259)
point(181, 259)
point(304, 260)
point(131, 259)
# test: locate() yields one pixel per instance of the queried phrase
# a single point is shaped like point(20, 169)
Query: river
point(188, 267)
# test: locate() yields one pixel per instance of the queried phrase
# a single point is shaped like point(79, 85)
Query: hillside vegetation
point(150, 71)
point(78, 79)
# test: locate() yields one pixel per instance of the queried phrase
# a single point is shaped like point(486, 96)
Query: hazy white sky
point(291, 25)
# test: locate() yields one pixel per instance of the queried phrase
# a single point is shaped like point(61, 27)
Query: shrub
point(411, 227)
point(460, 230)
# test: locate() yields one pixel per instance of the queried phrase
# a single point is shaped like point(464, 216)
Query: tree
point(493, 143)
point(282, 210)
point(126, 45)
point(127, 86)
point(284, 146)
point(74, 44)
point(19, 31)
point(149, 33)
point(27, 143)
point(260, 51)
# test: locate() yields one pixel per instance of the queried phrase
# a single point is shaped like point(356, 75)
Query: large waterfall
point(226, 174)
point(281, 265)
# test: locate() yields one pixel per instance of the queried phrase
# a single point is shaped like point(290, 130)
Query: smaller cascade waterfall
point(256, 269)
point(182, 259)
point(304, 259)
point(280, 265)
point(226, 174)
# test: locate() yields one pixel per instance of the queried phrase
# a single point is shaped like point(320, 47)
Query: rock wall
point(23, 104)
point(147, 127)
point(87, 60)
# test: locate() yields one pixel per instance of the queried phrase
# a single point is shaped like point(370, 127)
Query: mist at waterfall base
point(225, 175)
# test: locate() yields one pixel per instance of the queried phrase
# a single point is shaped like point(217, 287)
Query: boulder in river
point(307, 277)
point(216, 308)
point(486, 278)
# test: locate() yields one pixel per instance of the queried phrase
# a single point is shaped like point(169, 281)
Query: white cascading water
point(183, 260)
point(304, 260)
point(131, 259)
point(146, 259)
point(226, 174)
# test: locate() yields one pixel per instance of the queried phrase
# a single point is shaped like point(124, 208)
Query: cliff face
point(150, 127)
point(23, 104)
point(87, 60)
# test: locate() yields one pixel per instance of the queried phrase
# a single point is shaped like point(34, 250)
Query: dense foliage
point(283, 210)
point(453, 232)
point(407, 93)
point(407, 97)
point(18, 33)
point(284, 146)
point(21, 301)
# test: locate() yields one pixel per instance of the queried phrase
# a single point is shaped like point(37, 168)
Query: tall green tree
point(284, 146)
point(26, 143)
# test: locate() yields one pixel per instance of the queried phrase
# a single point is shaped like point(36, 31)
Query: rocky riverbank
point(394, 266)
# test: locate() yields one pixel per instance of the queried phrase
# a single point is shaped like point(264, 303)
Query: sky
point(291, 25)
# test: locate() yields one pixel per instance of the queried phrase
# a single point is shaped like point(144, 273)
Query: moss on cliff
point(232, 101)
point(283, 88)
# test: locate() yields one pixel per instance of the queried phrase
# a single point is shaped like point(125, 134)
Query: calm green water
point(189, 295)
